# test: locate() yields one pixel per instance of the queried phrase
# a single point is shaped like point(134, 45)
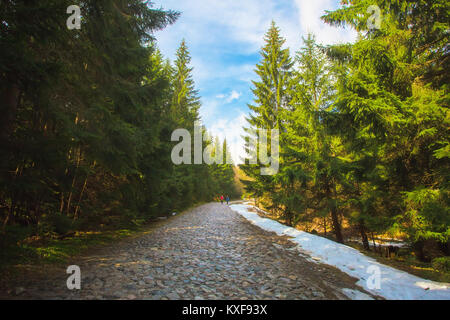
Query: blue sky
point(224, 38)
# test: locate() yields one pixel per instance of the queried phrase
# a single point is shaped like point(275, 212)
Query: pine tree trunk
point(373, 241)
point(364, 238)
point(9, 100)
point(61, 203)
point(289, 220)
point(72, 189)
point(336, 225)
point(335, 219)
point(75, 216)
point(10, 215)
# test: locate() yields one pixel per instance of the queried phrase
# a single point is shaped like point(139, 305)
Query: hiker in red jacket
point(221, 199)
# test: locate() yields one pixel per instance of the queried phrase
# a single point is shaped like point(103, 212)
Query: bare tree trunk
point(37, 209)
point(335, 218)
point(61, 206)
point(336, 225)
point(75, 216)
point(70, 197)
point(69, 200)
point(289, 218)
point(10, 214)
point(364, 238)
point(13, 200)
point(373, 241)
point(9, 101)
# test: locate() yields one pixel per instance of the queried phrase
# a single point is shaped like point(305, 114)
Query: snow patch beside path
point(356, 295)
point(394, 284)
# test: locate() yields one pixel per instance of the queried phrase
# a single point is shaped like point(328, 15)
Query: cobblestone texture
point(209, 252)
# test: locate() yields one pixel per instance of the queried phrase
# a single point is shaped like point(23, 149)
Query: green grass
point(31, 256)
point(18, 246)
point(43, 251)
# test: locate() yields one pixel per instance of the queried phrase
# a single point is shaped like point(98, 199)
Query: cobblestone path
point(209, 252)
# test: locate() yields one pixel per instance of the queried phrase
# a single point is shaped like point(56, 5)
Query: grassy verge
point(19, 247)
point(34, 257)
point(35, 250)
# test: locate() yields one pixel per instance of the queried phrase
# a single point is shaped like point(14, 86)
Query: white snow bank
point(356, 295)
point(393, 283)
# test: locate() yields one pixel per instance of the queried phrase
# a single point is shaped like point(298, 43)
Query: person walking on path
point(221, 199)
point(228, 198)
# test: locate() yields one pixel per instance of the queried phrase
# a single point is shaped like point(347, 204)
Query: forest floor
point(208, 252)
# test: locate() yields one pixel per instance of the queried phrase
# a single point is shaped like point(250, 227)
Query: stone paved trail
point(209, 252)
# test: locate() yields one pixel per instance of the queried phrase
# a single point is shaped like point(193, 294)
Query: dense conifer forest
point(364, 127)
point(87, 116)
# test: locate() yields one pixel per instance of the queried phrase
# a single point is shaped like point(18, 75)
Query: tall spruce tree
point(312, 170)
point(271, 93)
point(391, 111)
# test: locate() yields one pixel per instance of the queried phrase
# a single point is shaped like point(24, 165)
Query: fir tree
point(271, 98)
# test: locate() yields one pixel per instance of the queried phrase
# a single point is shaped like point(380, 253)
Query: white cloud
point(232, 130)
point(228, 98)
point(208, 109)
point(234, 95)
point(309, 13)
